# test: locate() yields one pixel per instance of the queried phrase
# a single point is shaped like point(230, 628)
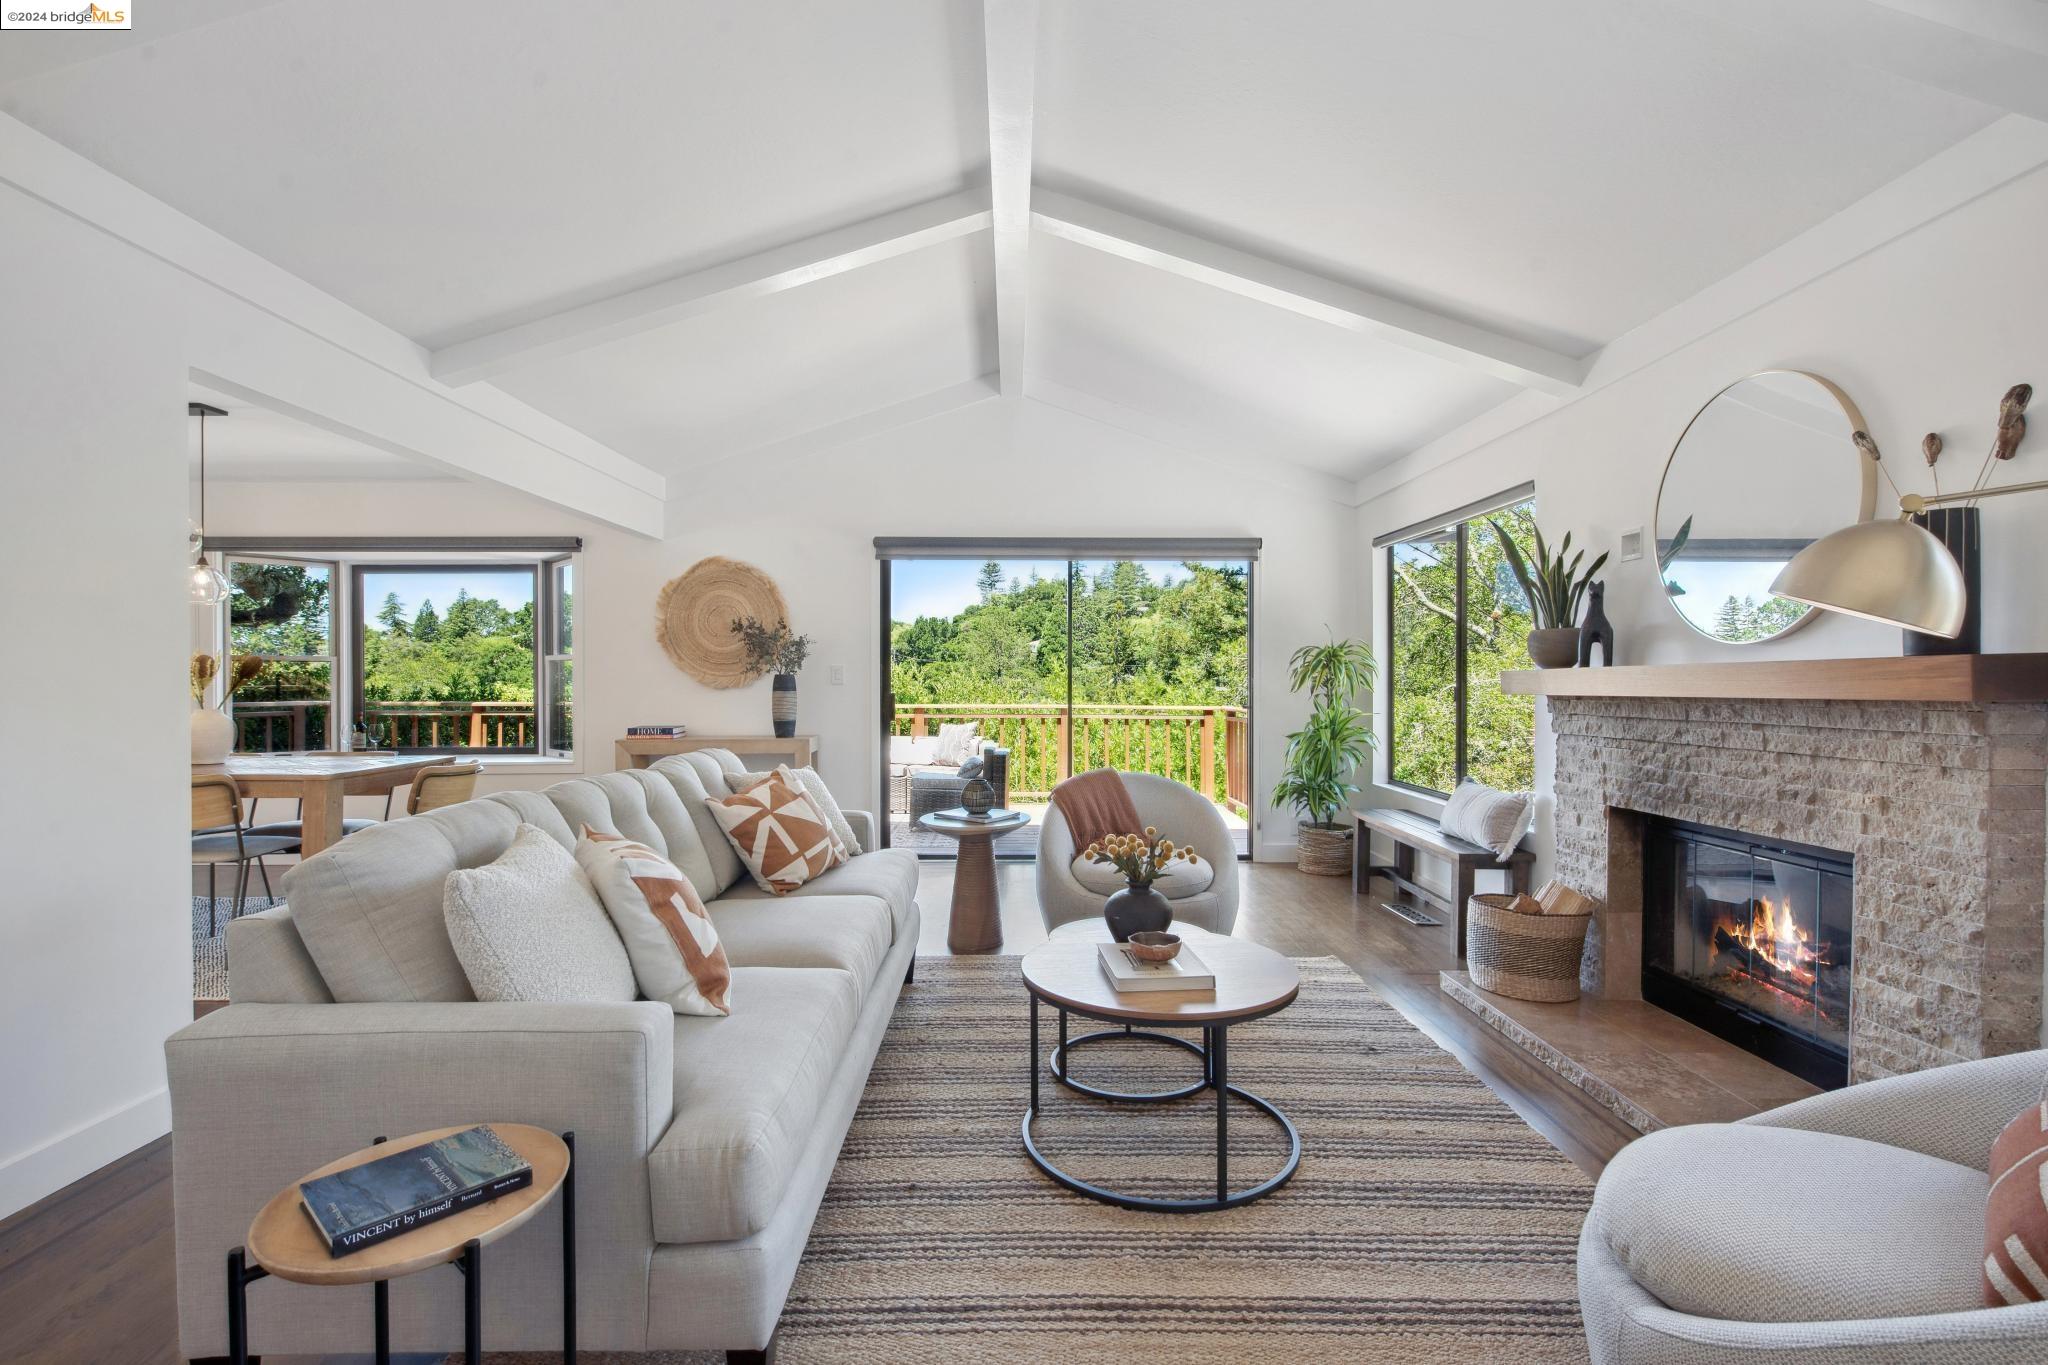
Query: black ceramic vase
point(1961, 529)
point(782, 705)
point(1136, 910)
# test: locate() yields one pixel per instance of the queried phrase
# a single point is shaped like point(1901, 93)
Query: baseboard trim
point(41, 1171)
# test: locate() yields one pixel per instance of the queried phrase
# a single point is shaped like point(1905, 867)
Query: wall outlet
point(1631, 545)
point(836, 675)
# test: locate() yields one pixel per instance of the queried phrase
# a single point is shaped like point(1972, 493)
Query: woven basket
point(1322, 852)
point(1524, 957)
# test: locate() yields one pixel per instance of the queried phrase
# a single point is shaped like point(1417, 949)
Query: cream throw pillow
point(1495, 820)
point(958, 743)
point(815, 788)
point(526, 927)
point(779, 833)
point(675, 952)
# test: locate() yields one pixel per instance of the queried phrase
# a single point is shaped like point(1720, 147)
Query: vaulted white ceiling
point(1323, 231)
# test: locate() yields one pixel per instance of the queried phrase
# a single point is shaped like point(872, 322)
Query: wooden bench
point(1413, 833)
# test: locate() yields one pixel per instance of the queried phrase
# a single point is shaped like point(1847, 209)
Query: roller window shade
point(1506, 498)
point(327, 545)
point(1067, 547)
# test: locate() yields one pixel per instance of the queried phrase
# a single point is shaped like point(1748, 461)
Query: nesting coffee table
point(1251, 983)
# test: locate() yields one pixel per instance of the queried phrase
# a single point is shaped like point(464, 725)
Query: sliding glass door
point(1068, 663)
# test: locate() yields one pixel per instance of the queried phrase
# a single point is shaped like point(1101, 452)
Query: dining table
point(320, 782)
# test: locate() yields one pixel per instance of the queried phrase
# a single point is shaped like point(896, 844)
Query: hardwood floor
point(87, 1274)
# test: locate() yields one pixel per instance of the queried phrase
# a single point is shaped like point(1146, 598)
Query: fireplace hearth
point(1751, 939)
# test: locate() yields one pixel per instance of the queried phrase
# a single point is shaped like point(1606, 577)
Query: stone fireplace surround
point(1943, 805)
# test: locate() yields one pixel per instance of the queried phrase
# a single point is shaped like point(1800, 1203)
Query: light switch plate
point(836, 675)
point(1631, 545)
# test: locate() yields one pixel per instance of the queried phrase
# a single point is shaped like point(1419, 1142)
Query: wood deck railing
point(274, 726)
point(452, 724)
point(1207, 747)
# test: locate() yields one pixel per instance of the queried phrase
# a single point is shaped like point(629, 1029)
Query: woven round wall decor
point(694, 616)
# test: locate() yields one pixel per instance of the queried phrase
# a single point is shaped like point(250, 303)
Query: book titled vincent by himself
point(365, 1204)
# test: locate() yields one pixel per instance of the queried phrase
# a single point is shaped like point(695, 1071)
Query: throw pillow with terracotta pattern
point(779, 833)
point(670, 940)
point(2016, 1214)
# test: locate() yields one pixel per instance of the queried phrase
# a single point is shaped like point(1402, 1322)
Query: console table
point(640, 751)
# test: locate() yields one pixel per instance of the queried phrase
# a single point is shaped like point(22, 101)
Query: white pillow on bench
point(1494, 820)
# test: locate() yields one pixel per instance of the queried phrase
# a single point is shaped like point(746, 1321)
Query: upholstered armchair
point(1844, 1228)
point(1179, 812)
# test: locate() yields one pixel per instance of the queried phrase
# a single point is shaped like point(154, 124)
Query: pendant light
point(204, 586)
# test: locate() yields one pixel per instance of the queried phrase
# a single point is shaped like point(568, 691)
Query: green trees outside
point(1421, 669)
point(1747, 619)
point(1136, 641)
point(480, 650)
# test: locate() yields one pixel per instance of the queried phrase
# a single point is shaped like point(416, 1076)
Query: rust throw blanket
point(1096, 805)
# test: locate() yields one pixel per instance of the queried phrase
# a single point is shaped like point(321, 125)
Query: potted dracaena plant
point(1554, 586)
point(781, 651)
point(1324, 754)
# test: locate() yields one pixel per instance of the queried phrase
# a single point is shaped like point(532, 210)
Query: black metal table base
point(471, 1263)
point(1214, 1051)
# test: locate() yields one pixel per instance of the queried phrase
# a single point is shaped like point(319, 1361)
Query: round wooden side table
point(283, 1241)
point(1251, 982)
point(977, 922)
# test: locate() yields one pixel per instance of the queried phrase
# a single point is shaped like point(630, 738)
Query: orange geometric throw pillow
point(676, 956)
point(779, 833)
point(2016, 1215)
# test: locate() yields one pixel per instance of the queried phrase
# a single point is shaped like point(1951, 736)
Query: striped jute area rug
point(1426, 1223)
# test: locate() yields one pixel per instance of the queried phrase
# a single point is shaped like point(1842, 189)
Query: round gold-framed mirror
point(1763, 469)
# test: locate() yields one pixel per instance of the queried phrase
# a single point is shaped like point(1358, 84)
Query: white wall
point(810, 521)
point(95, 961)
point(1925, 334)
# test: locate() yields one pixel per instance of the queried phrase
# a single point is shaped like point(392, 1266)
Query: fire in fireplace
point(1751, 941)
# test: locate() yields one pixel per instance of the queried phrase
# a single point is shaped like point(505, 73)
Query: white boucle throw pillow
point(1494, 820)
point(527, 926)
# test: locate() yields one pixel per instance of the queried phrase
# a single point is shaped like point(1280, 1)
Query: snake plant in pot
point(1555, 587)
point(1324, 754)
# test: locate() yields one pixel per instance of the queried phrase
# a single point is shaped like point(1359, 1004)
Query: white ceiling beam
point(750, 277)
point(253, 327)
point(1993, 53)
point(1311, 296)
point(1010, 37)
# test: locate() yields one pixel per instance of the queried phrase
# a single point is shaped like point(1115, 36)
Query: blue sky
point(1710, 582)
point(945, 587)
point(513, 589)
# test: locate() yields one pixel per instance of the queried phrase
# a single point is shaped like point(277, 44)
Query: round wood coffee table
point(977, 923)
point(283, 1241)
point(1251, 983)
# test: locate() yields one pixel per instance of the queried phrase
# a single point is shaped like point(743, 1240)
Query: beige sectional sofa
point(703, 1145)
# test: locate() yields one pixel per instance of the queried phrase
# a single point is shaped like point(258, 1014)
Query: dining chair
point(218, 836)
point(444, 784)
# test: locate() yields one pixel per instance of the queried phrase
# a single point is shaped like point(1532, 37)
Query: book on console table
point(967, 817)
point(1129, 972)
point(657, 731)
point(366, 1204)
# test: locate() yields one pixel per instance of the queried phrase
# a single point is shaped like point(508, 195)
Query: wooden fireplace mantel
point(1949, 678)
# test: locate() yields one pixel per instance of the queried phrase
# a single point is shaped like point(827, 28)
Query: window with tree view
point(1457, 620)
point(282, 612)
point(459, 672)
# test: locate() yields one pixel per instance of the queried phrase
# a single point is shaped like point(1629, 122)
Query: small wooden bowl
point(1155, 947)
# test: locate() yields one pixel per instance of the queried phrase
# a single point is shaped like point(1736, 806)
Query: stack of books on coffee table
point(1129, 972)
